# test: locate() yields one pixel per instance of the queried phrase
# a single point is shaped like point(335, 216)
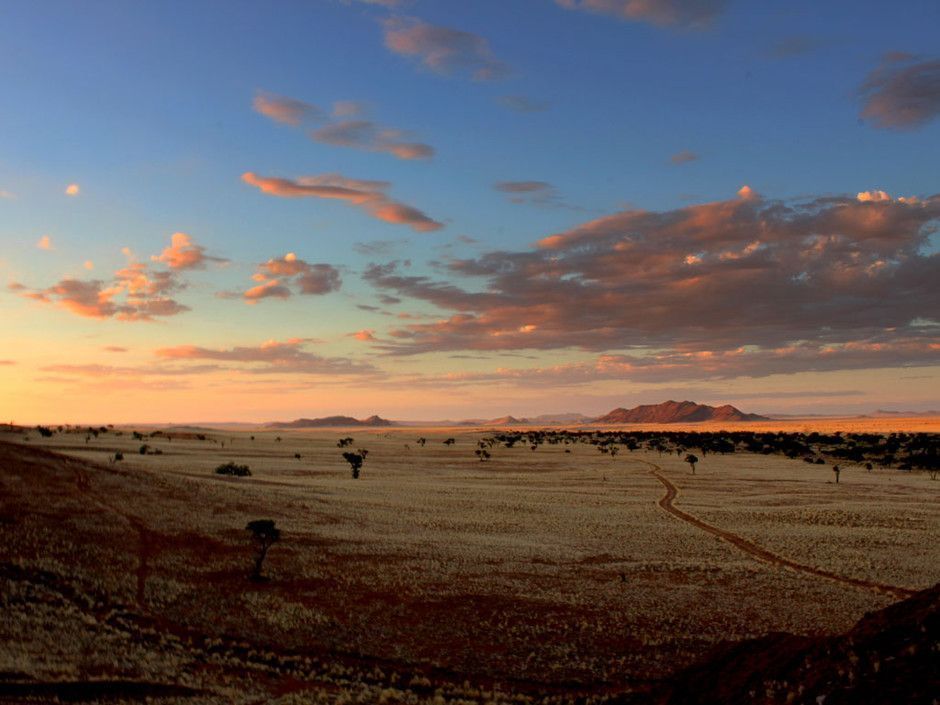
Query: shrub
point(233, 469)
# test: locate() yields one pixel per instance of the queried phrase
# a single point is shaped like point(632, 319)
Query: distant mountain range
point(332, 421)
point(677, 412)
point(667, 412)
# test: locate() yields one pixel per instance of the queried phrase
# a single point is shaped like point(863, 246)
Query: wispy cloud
point(368, 196)
point(444, 50)
point(45, 243)
point(368, 136)
point(664, 13)
point(183, 253)
point(523, 104)
point(683, 157)
point(289, 356)
point(902, 93)
point(283, 109)
point(73, 190)
point(345, 126)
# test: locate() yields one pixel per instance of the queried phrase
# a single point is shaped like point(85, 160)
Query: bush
point(118, 456)
point(233, 469)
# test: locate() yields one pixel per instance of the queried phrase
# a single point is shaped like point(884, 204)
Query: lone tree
point(691, 460)
point(266, 534)
point(836, 469)
point(355, 461)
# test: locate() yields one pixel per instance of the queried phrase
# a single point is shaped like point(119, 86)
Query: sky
point(433, 209)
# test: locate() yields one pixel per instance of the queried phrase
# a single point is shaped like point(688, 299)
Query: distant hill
point(677, 412)
point(332, 421)
point(505, 421)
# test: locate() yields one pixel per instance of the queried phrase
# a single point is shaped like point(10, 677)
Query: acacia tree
point(691, 460)
point(836, 469)
point(355, 461)
point(266, 534)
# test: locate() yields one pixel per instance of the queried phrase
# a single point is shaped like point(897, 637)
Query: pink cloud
point(45, 243)
point(369, 196)
point(289, 111)
point(676, 13)
point(444, 50)
point(366, 135)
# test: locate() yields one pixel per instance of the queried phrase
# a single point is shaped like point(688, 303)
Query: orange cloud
point(72, 190)
point(369, 196)
point(183, 253)
point(365, 335)
point(45, 243)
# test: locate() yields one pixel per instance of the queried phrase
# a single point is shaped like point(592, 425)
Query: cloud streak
point(444, 50)
point(692, 14)
point(368, 196)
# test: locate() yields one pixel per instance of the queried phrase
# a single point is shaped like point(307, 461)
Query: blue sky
point(148, 107)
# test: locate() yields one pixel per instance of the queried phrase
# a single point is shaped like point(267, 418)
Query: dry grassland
point(538, 571)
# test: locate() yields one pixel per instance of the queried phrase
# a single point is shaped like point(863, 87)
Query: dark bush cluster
point(233, 469)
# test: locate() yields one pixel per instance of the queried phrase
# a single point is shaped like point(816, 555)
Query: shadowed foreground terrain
point(556, 575)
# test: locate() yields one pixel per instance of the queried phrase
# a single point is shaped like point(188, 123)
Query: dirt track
point(758, 552)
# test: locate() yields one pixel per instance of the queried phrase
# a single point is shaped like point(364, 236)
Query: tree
point(836, 470)
point(482, 454)
point(449, 442)
point(266, 534)
point(344, 442)
point(691, 460)
point(422, 441)
point(355, 462)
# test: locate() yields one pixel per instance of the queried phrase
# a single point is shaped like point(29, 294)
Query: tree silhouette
point(691, 460)
point(422, 441)
point(265, 533)
point(836, 469)
point(449, 442)
point(355, 462)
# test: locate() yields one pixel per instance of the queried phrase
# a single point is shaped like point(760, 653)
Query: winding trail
point(759, 552)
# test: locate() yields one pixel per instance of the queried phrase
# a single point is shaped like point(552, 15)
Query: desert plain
point(558, 574)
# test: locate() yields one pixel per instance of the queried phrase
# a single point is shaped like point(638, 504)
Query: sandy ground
point(536, 570)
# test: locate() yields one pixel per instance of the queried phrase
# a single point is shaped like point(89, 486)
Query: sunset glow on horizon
point(444, 210)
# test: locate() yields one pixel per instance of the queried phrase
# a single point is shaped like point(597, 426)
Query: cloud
point(522, 104)
point(673, 13)
point(6, 195)
point(902, 94)
point(683, 157)
point(114, 349)
point(745, 273)
point(183, 253)
point(136, 292)
point(365, 335)
point(444, 50)
point(706, 365)
point(72, 190)
point(45, 243)
point(272, 357)
point(345, 128)
point(369, 196)
point(532, 192)
point(88, 264)
point(7, 362)
point(278, 275)
point(789, 47)
point(366, 135)
point(289, 111)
